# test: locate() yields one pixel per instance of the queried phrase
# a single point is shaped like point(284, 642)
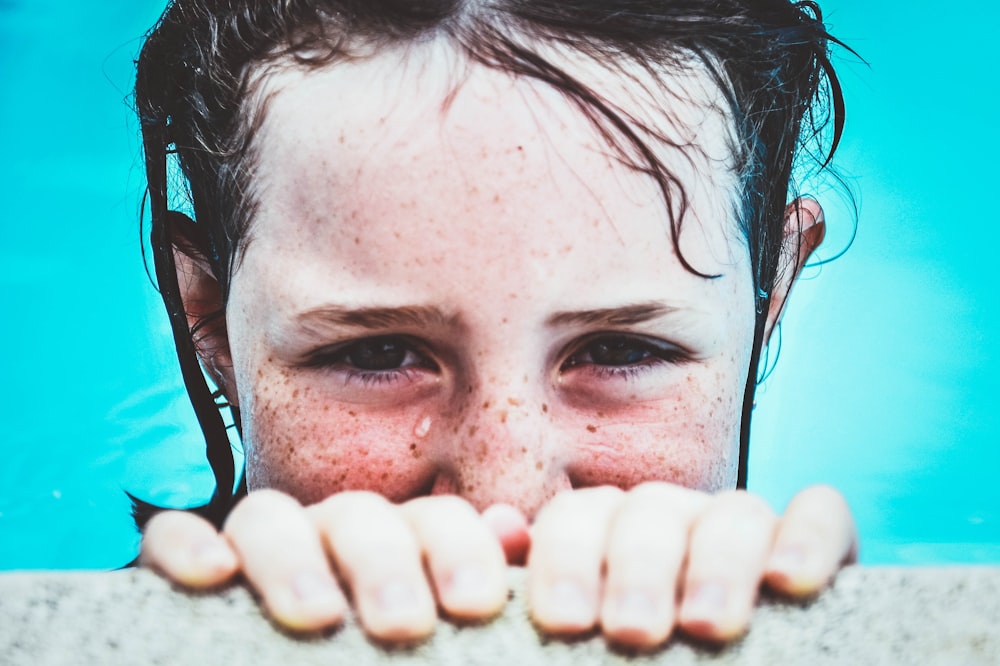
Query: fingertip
point(188, 551)
point(307, 602)
point(563, 606)
point(710, 611)
point(397, 611)
point(794, 572)
point(212, 563)
point(473, 592)
point(511, 528)
point(636, 619)
point(816, 537)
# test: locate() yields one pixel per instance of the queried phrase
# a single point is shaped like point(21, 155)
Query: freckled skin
point(499, 213)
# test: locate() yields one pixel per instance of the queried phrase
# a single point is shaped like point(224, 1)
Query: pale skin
point(459, 330)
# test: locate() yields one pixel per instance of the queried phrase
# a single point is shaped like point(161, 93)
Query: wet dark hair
point(196, 95)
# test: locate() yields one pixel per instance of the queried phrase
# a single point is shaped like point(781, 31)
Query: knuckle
point(352, 501)
point(746, 504)
point(265, 499)
point(663, 493)
point(452, 505)
point(823, 496)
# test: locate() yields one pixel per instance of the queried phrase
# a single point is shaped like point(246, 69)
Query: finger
point(729, 546)
point(510, 526)
point(568, 541)
point(816, 536)
point(188, 550)
point(379, 557)
point(466, 563)
point(283, 559)
point(646, 549)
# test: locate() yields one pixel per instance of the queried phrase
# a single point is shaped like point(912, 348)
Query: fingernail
point(570, 601)
point(789, 559)
point(707, 600)
point(313, 589)
point(634, 608)
point(397, 598)
point(212, 555)
point(469, 584)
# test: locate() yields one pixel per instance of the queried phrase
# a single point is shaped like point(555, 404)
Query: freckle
point(524, 449)
point(514, 402)
point(472, 430)
point(496, 198)
point(545, 408)
point(354, 414)
point(357, 240)
point(600, 415)
point(503, 416)
point(538, 465)
point(486, 405)
point(592, 428)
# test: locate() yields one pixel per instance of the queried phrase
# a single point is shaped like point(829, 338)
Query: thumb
point(511, 528)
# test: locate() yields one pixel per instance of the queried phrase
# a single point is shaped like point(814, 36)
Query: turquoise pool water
point(889, 370)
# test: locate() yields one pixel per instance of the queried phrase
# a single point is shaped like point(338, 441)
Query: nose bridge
point(504, 448)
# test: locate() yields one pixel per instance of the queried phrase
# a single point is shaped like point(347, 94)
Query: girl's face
point(468, 293)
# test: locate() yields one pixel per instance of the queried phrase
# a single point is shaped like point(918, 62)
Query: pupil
point(377, 355)
point(619, 351)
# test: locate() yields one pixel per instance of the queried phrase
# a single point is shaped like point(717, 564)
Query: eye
point(377, 354)
point(382, 355)
point(624, 351)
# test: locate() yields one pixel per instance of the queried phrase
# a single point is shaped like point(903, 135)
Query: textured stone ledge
point(871, 616)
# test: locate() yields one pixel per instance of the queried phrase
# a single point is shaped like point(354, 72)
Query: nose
point(502, 448)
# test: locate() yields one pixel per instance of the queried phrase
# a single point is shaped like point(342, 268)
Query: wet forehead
point(451, 149)
point(391, 104)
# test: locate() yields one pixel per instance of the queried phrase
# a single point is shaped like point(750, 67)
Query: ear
point(805, 228)
point(203, 303)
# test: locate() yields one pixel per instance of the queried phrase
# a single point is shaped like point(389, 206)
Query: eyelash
point(655, 353)
point(658, 353)
point(339, 358)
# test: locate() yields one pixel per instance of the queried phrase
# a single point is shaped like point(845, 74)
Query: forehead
point(461, 153)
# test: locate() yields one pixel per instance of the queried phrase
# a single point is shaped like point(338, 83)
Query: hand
point(659, 557)
point(731, 542)
point(377, 549)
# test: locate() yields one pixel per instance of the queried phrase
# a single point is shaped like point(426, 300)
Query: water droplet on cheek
point(423, 427)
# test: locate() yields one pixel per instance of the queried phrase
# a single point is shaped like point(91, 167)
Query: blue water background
point(889, 372)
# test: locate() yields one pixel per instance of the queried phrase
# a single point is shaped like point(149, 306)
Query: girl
point(480, 278)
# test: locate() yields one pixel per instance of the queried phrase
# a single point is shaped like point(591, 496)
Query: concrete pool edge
point(872, 615)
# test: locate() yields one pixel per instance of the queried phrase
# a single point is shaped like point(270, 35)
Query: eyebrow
point(415, 316)
point(625, 315)
point(375, 318)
